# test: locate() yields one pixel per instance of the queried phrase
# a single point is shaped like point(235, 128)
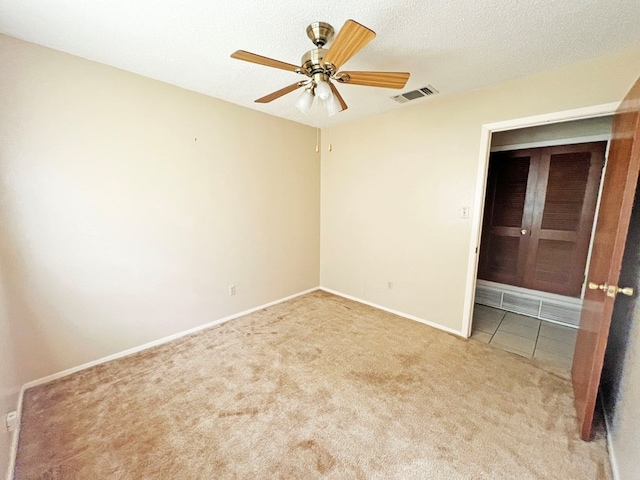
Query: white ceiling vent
point(414, 94)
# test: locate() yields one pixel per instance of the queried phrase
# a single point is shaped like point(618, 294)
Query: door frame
point(486, 133)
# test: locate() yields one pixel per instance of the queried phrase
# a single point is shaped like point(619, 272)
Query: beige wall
point(393, 186)
point(119, 227)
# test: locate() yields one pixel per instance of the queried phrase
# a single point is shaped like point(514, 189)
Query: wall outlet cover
point(11, 421)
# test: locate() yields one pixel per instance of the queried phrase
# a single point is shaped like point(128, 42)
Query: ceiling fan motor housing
point(312, 62)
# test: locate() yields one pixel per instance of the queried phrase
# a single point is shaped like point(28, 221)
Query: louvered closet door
point(508, 210)
point(566, 193)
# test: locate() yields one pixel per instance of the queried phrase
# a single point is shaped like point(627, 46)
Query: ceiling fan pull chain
point(317, 129)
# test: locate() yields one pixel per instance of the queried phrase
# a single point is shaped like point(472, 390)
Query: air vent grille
point(415, 94)
point(520, 304)
point(488, 297)
point(558, 311)
point(428, 90)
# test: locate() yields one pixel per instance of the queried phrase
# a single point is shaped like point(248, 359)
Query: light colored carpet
point(317, 387)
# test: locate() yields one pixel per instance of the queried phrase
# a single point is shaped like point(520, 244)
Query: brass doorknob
point(523, 231)
point(628, 291)
point(611, 290)
point(595, 286)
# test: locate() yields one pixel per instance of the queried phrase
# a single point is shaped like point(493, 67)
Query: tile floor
point(525, 336)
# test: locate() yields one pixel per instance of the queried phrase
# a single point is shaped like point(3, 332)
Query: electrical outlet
point(389, 285)
point(232, 290)
point(464, 212)
point(11, 421)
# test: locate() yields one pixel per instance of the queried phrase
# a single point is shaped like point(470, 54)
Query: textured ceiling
point(453, 45)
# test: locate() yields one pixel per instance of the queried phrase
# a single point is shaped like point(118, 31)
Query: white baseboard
point(395, 312)
point(160, 341)
point(612, 453)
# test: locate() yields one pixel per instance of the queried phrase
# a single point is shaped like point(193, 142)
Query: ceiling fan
point(321, 66)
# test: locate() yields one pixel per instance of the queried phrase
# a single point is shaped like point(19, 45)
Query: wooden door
point(623, 166)
point(508, 213)
point(538, 217)
point(565, 204)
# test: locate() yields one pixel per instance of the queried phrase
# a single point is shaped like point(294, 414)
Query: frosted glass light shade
point(323, 90)
point(304, 102)
point(332, 105)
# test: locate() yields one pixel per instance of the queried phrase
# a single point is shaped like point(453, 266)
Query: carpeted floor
point(317, 387)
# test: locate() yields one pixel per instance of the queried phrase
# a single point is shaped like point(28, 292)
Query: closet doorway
point(541, 197)
point(539, 210)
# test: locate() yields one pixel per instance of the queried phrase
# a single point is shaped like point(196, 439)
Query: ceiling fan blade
point(338, 96)
point(260, 60)
point(375, 79)
point(279, 93)
point(349, 41)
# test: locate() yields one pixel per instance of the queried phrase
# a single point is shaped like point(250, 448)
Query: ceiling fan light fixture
point(322, 67)
point(305, 100)
point(332, 104)
point(323, 90)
